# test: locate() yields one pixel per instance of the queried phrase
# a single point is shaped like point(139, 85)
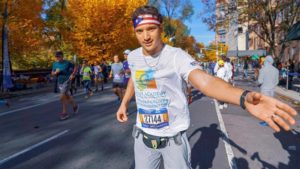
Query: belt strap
point(177, 138)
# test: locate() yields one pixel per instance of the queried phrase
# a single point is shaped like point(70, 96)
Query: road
point(32, 137)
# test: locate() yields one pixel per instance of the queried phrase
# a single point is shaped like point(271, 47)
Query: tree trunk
point(281, 52)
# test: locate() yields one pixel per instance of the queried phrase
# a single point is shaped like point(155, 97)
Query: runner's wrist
point(243, 98)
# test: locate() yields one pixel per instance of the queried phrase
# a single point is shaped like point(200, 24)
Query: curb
point(288, 95)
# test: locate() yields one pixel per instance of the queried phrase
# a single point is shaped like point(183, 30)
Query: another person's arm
point(110, 74)
point(265, 108)
point(260, 76)
point(74, 68)
point(54, 71)
point(277, 78)
point(121, 113)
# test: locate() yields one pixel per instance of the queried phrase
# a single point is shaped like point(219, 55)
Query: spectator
point(228, 68)
point(221, 73)
point(268, 77)
point(246, 67)
point(291, 69)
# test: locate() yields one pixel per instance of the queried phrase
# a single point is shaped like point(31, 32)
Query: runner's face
point(59, 58)
point(125, 56)
point(149, 37)
point(116, 59)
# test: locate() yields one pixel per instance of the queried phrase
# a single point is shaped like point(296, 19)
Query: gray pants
point(174, 156)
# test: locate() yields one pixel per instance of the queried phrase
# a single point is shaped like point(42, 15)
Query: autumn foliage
point(91, 29)
point(101, 28)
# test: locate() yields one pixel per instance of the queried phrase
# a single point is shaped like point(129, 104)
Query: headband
point(146, 19)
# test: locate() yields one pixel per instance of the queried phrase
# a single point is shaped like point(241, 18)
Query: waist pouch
point(154, 141)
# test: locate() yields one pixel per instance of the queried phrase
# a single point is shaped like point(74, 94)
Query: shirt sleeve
point(185, 64)
point(53, 67)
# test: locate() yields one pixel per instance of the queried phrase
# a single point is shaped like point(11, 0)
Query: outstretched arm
point(265, 108)
point(121, 114)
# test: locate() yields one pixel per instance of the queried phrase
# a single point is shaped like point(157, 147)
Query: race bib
point(117, 77)
point(154, 119)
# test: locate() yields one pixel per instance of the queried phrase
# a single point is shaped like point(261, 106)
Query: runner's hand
point(72, 77)
point(121, 114)
point(270, 110)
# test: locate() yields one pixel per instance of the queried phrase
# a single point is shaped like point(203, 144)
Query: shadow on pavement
point(203, 152)
point(241, 163)
point(264, 164)
point(290, 141)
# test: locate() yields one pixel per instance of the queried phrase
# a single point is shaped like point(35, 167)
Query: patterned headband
point(146, 19)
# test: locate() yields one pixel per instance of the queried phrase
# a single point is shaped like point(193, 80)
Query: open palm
point(276, 113)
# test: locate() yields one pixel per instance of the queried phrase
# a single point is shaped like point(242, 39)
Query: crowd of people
point(70, 76)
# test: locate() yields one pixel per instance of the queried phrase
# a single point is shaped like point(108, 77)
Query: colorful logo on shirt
point(145, 79)
point(154, 119)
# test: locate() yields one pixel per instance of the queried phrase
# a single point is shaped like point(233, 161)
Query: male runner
point(98, 77)
point(86, 79)
point(65, 72)
point(117, 74)
point(158, 74)
point(126, 69)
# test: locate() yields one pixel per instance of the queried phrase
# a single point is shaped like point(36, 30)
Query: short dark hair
point(59, 54)
point(146, 9)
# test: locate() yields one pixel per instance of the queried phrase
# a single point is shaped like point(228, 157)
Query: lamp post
point(6, 66)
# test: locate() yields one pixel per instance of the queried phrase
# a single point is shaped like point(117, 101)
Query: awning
point(294, 32)
point(243, 53)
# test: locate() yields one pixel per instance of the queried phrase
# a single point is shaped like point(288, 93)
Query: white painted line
point(229, 152)
point(36, 105)
point(32, 147)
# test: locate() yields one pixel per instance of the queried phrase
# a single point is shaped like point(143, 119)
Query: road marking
point(36, 105)
point(229, 152)
point(32, 147)
point(28, 107)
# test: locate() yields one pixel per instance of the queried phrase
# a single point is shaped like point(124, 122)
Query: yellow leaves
point(25, 29)
point(101, 28)
point(211, 53)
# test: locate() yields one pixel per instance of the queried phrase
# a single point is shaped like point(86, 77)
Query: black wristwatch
point(242, 98)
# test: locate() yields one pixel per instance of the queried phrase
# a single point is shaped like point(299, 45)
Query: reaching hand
point(121, 114)
point(270, 110)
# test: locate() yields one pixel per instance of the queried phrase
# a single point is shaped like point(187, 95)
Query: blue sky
point(198, 29)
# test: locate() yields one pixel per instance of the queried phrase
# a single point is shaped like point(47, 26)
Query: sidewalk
point(290, 94)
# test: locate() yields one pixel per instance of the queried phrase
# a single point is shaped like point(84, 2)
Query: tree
point(25, 26)
point(210, 51)
point(100, 28)
point(173, 10)
point(270, 20)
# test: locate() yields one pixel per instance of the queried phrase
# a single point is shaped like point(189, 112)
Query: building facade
point(238, 37)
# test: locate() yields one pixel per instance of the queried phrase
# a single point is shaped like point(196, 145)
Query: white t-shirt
point(160, 84)
point(228, 68)
point(96, 69)
point(221, 73)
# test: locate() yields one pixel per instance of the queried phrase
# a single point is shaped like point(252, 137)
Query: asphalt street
point(32, 137)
